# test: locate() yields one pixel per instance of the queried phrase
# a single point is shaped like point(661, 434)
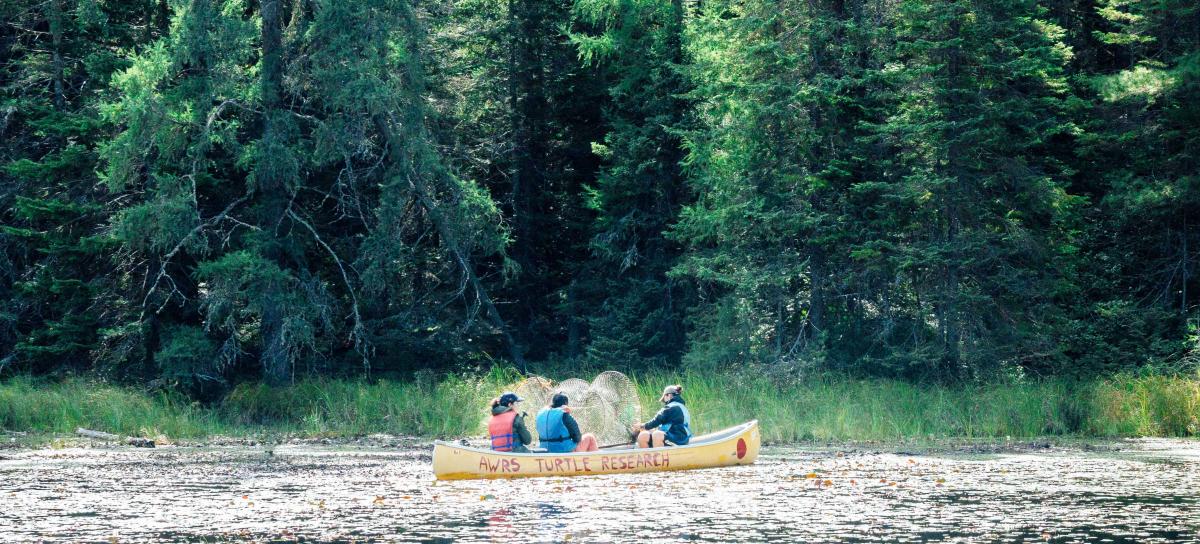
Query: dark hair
point(495, 402)
point(559, 399)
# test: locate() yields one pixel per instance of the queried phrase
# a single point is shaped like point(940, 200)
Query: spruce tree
point(980, 94)
point(637, 317)
point(55, 254)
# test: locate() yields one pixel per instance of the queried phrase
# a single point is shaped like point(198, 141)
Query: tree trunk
point(529, 113)
point(274, 356)
point(951, 201)
point(816, 312)
point(780, 323)
point(574, 325)
point(162, 17)
point(55, 15)
point(1183, 295)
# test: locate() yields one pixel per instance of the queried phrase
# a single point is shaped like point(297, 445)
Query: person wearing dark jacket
point(671, 426)
point(558, 431)
point(507, 427)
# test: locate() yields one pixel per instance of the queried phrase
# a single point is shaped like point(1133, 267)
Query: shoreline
point(15, 441)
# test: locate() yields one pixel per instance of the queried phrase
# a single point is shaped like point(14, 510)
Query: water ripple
point(1147, 492)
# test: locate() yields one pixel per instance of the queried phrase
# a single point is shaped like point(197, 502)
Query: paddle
point(632, 440)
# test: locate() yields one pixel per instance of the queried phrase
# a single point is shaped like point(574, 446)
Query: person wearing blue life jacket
point(558, 431)
point(671, 426)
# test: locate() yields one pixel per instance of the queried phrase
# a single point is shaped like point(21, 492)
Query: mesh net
point(606, 407)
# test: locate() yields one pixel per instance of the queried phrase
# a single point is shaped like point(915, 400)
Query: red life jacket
point(500, 427)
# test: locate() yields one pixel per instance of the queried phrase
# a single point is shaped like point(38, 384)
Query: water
point(1146, 491)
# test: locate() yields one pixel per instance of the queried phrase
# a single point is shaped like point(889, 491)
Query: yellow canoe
point(733, 446)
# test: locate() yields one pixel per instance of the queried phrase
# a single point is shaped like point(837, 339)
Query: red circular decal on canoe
point(741, 448)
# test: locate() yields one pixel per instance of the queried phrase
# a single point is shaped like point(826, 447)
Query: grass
point(838, 409)
point(826, 409)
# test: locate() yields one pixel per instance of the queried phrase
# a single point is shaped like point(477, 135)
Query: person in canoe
point(671, 426)
point(507, 427)
point(558, 431)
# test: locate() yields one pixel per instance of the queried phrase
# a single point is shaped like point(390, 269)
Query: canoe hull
point(735, 446)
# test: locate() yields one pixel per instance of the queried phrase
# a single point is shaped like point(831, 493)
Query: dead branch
point(166, 259)
point(134, 441)
point(358, 333)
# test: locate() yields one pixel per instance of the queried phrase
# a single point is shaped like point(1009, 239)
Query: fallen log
point(100, 435)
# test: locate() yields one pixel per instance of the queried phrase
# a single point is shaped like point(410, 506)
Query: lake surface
point(1132, 491)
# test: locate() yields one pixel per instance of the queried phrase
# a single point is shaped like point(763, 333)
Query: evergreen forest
point(198, 193)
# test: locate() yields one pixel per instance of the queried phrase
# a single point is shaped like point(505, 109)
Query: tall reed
point(834, 408)
point(823, 409)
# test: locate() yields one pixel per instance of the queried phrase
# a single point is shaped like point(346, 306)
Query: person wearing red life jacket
point(507, 427)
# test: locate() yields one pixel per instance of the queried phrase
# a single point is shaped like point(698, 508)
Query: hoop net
point(607, 407)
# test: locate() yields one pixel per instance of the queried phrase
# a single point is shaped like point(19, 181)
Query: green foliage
point(822, 409)
point(210, 192)
point(188, 357)
point(640, 187)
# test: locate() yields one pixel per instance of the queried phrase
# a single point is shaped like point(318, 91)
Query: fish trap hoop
point(606, 407)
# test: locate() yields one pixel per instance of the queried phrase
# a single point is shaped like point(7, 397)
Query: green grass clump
point(61, 407)
point(825, 409)
point(452, 407)
point(839, 409)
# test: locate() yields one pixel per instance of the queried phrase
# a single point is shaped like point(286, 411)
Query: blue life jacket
point(552, 432)
point(680, 434)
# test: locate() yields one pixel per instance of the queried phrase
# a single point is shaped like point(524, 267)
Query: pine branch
point(166, 259)
point(358, 333)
